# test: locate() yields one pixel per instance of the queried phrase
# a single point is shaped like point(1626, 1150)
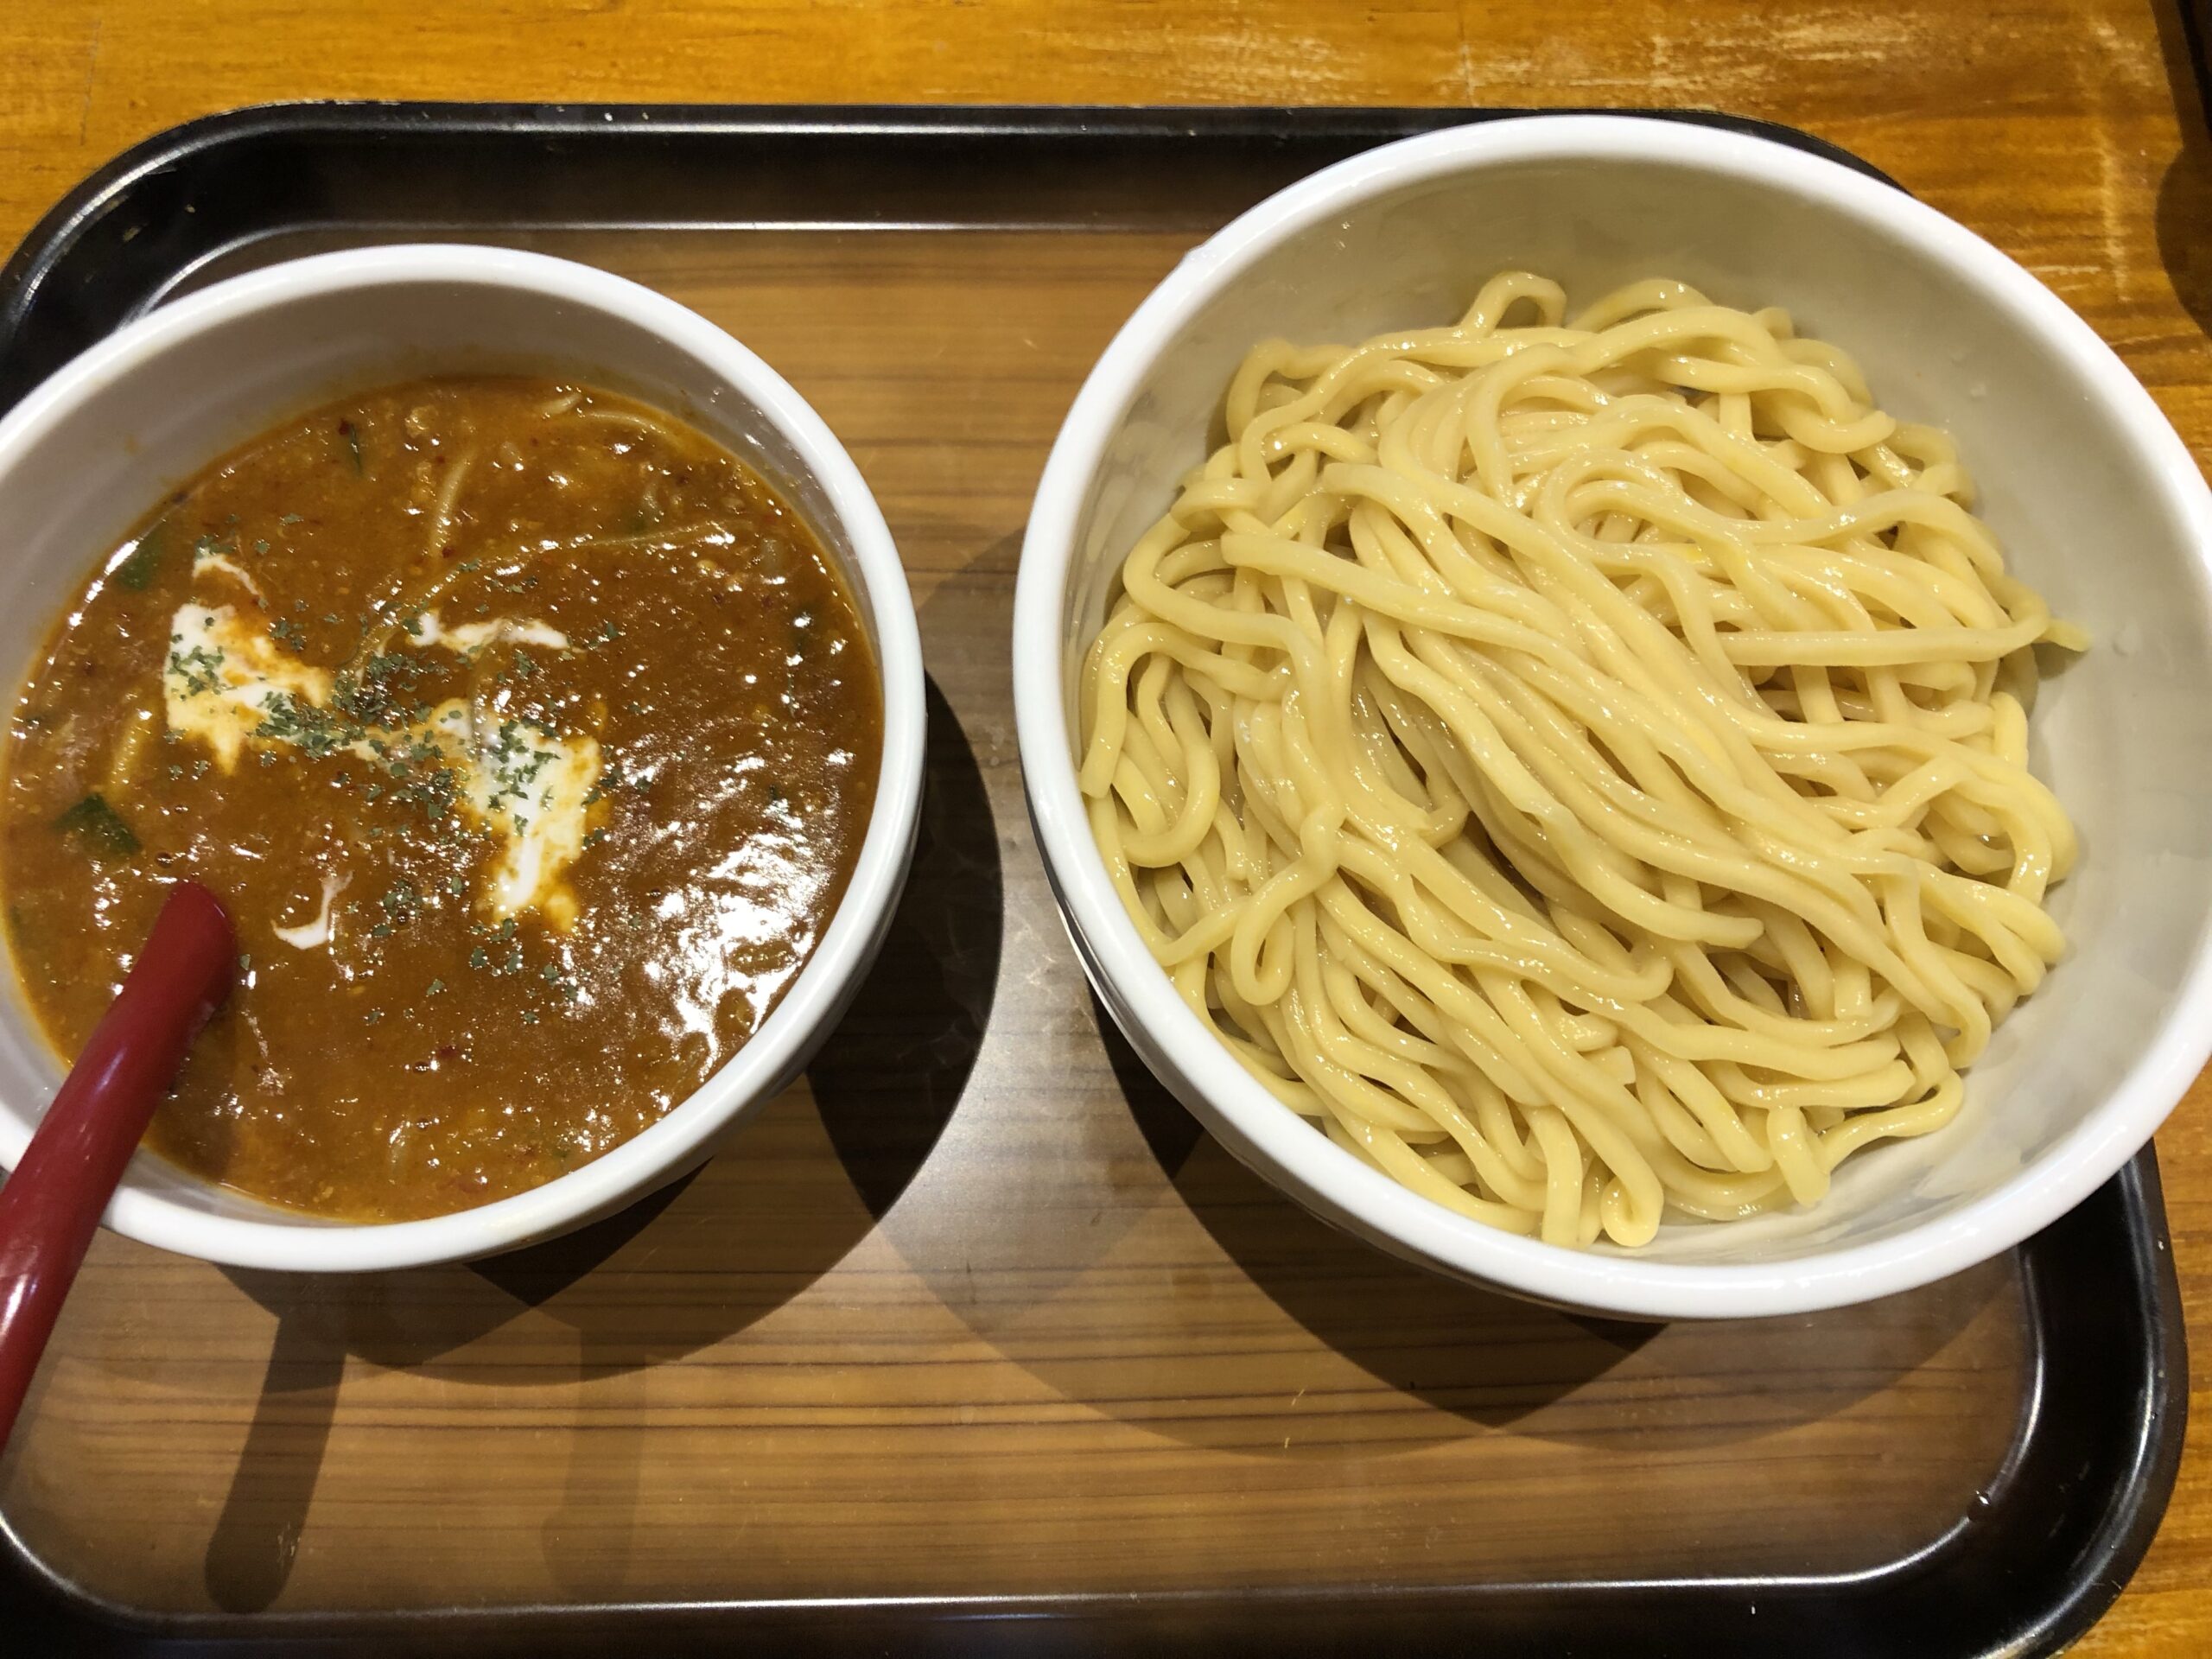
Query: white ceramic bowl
point(94, 447)
point(2095, 498)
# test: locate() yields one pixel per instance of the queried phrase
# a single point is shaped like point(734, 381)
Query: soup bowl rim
point(282, 1239)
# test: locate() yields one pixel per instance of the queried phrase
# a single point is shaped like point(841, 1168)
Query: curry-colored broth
point(368, 655)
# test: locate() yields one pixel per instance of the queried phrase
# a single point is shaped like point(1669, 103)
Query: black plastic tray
point(2096, 1454)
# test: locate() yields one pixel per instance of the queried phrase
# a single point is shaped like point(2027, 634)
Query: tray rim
point(205, 138)
point(1718, 1613)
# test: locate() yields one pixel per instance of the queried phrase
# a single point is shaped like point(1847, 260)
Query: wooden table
point(2068, 131)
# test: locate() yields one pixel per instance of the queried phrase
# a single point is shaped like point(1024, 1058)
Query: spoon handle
point(51, 1204)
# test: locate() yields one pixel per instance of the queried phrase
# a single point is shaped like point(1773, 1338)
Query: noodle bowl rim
point(1292, 1154)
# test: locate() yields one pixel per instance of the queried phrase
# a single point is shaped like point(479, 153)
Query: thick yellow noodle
point(1581, 763)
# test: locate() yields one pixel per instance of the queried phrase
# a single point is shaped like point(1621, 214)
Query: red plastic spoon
point(51, 1205)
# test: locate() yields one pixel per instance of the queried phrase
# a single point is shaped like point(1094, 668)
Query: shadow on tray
point(684, 1267)
point(1500, 1363)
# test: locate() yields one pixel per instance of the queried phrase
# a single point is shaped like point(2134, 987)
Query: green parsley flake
point(200, 668)
point(288, 719)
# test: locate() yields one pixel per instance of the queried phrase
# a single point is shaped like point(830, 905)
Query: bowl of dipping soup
point(531, 672)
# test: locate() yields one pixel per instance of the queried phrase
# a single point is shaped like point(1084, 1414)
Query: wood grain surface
point(1018, 1337)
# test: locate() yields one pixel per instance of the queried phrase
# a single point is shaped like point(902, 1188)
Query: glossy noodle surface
point(1579, 761)
point(530, 738)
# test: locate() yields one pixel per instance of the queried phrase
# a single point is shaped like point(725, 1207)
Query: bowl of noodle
point(1623, 711)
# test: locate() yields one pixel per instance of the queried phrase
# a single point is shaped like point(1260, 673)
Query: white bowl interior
point(163, 413)
point(2086, 510)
